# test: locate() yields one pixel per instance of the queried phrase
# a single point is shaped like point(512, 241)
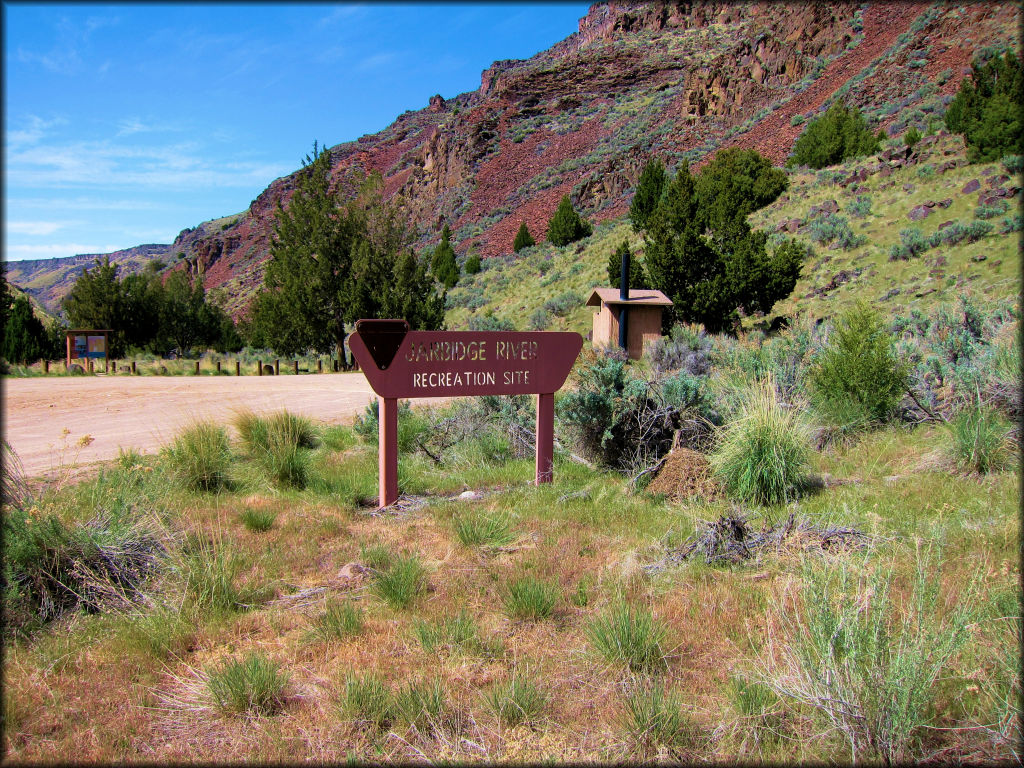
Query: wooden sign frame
point(400, 363)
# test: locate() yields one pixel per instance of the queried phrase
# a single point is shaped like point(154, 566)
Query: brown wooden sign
point(399, 363)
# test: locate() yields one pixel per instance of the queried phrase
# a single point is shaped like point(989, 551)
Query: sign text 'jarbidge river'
point(466, 363)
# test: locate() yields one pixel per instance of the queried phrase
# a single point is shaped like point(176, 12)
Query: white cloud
point(33, 132)
point(342, 13)
point(39, 228)
point(21, 251)
point(82, 204)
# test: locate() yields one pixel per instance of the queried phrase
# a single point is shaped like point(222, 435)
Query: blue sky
point(126, 123)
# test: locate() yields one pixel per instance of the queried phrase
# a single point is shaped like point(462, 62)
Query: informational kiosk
point(85, 344)
point(399, 363)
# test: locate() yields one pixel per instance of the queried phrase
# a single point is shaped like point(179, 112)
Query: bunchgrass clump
point(402, 583)
point(530, 598)
point(279, 444)
point(458, 632)
point(477, 530)
point(369, 701)
point(376, 556)
point(421, 705)
point(338, 621)
point(762, 456)
point(979, 439)
point(631, 637)
point(209, 571)
point(653, 717)
point(255, 685)
point(201, 456)
point(863, 663)
point(516, 702)
point(258, 520)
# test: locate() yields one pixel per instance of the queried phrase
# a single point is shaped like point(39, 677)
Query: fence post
point(296, 366)
point(46, 366)
point(218, 366)
point(197, 367)
point(277, 367)
point(133, 366)
point(259, 367)
point(238, 368)
point(319, 365)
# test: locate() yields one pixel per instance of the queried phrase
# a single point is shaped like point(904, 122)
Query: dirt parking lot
point(147, 412)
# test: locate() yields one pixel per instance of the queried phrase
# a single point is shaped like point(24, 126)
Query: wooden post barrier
point(277, 367)
point(238, 368)
point(46, 366)
point(319, 365)
point(259, 367)
point(197, 368)
point(133, 366)
point(296, 365)
point(218, 366)
point(399, 363)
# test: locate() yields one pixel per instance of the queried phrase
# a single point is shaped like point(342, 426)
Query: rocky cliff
point(673, 79)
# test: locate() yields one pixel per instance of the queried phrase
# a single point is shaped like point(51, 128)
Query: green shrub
point(338, 621)
point(979, 438)
point(519, 701)
point(411, 425)
point(838, 135)
point(991, 211)
point(911, 137)
point(857, 377)
point(864, 664)
point(635, 638)
point(402, 583)
point(829, 228)
point(859, 208)
point(762, 456)
point(987, 109)
point(253, 685)
point(473, 265)
point(530, 598)
point(200, 457)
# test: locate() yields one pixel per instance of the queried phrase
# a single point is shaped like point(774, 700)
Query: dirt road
point(147, 412)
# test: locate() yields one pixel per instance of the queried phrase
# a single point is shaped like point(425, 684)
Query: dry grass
point(109, 687)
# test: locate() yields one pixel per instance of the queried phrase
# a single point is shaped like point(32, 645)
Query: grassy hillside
point(516, 288)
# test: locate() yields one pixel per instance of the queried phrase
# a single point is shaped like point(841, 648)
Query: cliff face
point(672, 79)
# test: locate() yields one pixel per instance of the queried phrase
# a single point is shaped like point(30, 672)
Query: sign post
point(399, 363)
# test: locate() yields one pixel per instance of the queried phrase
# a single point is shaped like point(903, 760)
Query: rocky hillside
point(678, 80)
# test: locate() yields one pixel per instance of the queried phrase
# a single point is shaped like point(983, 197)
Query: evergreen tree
point(709, 273)
point(96, 301)
point(184, 317)
point(733, 185)
point(836, 136)
point(25, 338)
point(443, 264)
point(637, 276)
point(338, 255)
point(566, 226)
point(987, 109)
point(649, 189)
point(473, 264)
point(307, 283)
point(523, 238)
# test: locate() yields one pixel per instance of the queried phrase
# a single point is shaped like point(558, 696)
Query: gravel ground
point(146, 413)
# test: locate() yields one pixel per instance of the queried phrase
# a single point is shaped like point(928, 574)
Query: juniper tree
point(523, 238)
point(649, 189)
point(566, 226)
